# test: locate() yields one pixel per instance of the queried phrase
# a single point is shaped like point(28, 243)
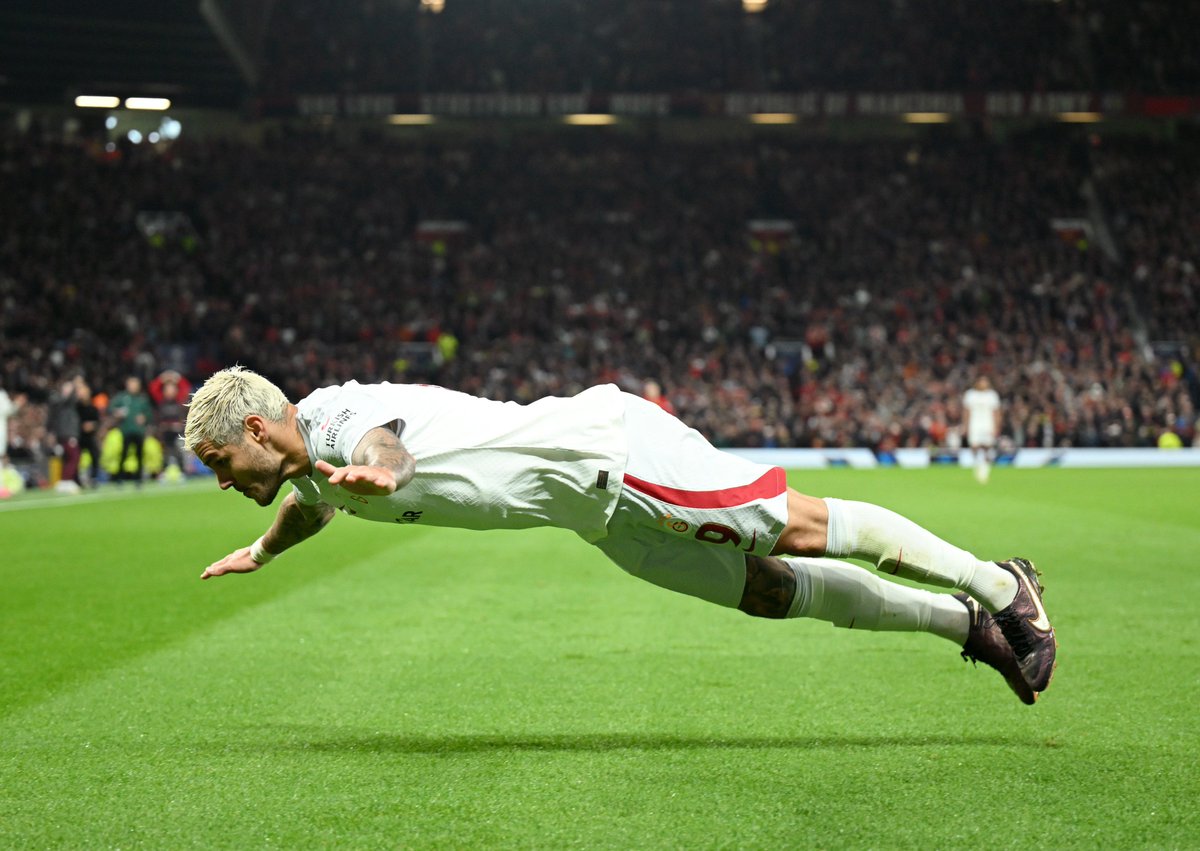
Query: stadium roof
point(52, 51)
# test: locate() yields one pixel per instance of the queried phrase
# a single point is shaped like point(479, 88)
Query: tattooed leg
point(770, 588)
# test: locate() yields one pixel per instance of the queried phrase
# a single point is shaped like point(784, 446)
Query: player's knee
point(806, 533)
point(770, 588)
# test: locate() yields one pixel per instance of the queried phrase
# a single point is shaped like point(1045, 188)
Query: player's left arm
point(294, 523)
point(379, 465)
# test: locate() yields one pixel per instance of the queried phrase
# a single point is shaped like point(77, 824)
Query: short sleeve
point(348, 417)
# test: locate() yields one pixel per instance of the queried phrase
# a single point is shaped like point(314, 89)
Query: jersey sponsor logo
point(673, 523)
point(335, 426)
point(409, 517)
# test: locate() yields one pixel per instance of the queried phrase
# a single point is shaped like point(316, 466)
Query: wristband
point(259, 553)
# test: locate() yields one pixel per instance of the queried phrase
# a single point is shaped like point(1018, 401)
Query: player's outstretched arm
point(294, 523)
point(380, 465)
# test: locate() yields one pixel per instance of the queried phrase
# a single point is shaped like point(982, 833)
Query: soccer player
point(648, 491)
point(981, 409)
point(8, 408)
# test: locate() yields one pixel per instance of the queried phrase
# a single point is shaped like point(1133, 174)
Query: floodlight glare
point(147, 103)
point(753, 7)
point(97, 101)
point(590, 119)
point(410, 119)
point(774, 118)
point(927, 117)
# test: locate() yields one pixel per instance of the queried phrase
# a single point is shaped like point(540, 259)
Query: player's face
point(247, 467)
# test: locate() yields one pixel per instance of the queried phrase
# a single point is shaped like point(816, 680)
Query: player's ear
point(256, 428)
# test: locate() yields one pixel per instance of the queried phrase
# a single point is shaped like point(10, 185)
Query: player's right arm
point(379, 465)
point(294, 523)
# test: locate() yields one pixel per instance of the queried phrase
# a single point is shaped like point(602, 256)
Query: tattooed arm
point(380, 465)
point(294, 523)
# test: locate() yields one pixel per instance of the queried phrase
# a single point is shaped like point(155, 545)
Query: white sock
point(898, 546)
point(849, 596)
point(982, 469)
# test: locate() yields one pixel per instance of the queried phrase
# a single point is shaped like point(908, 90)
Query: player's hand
point(359, 479)
point(238, 561)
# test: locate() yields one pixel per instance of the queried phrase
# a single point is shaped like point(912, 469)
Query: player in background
point(134, 416)
point(652, 494)
point(981, 414)
point(8, 408)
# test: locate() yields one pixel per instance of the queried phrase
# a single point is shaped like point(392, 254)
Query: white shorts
point(982, 438)
point(689, 514)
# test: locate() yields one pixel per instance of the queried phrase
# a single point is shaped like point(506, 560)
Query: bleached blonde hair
point(219, 408)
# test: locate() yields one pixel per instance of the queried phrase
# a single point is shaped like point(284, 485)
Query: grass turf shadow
point(284, 739)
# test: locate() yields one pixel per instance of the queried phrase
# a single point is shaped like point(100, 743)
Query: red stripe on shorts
point(771, 484)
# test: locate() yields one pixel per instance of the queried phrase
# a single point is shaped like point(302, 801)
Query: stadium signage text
point(735, 104)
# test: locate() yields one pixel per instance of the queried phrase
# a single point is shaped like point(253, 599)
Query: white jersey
point(7, 409)
point(481, 464)
point(981, 407)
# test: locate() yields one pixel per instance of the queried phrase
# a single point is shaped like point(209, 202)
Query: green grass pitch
point(386, 687)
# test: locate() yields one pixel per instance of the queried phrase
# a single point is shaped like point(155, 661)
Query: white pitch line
point(108, 494)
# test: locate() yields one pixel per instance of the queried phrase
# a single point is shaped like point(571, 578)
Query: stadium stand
point(826, 292)
point(881, 276)
point(683, 45)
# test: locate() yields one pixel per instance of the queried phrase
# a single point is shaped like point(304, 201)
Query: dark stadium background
point(812, 224)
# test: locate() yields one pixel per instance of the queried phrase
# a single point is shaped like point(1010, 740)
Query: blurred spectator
point(712, 45)
point(652, 392)
point(171, 415)
point(65, 426)
point(905, 269)
point(168, 378)
point(89, 432)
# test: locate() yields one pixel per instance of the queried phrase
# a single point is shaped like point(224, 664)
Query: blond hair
point(218, 410)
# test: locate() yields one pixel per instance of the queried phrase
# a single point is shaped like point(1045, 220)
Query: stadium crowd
point(713, 45)
point(783, 293)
